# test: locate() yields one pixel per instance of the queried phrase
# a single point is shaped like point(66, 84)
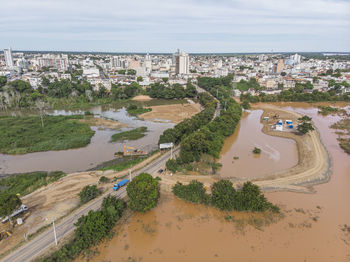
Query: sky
point(195, 26)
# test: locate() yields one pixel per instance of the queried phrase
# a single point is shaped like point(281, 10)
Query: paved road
point(218, 107)
point(42, 242)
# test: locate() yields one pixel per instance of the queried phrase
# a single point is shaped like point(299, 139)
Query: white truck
point(18, 211)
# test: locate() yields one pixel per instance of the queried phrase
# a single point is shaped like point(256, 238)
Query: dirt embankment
point(104, 123)
point(174, 113)
point(313, 164)
point(56, 200)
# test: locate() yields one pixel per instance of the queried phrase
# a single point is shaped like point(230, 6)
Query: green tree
point(305, 126)
point(88, 193)
point(143, 192)
point(3, 81)
point(8, 203)
point(139, 79)
point(172, 165)
point(223, 195)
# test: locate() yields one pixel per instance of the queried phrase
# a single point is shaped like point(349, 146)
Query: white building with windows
point(8, 58)
point(182, 63)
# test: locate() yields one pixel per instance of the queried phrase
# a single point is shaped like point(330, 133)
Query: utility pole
point(130, 174)
point(54, 231)
point(171, 152)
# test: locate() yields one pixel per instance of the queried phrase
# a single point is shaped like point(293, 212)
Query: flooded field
point(99, 150)
point(276, 153)
point(311, 229)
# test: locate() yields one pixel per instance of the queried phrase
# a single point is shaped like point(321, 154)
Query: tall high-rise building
point(8, 58)
point(182, 63)
point(280, 66)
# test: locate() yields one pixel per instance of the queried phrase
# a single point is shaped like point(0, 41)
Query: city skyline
point(197, 27)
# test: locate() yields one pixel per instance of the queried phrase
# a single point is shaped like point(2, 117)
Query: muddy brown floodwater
point(311, 229)
point(276, 153)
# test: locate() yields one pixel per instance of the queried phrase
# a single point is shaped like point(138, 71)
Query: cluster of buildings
point(271, 71)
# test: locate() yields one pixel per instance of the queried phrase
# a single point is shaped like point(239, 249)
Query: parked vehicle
point(120, 184)
point(18, 211)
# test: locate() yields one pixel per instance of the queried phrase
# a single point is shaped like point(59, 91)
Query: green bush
point(104, 179)
point(143, 192)
point(223, 195)
point(172, 165)
point(88, 193)
point(193, 192)
point(256, 150)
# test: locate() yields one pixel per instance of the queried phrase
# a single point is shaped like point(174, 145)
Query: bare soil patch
point(174, 113)
point(142, 98)
point(102, 122)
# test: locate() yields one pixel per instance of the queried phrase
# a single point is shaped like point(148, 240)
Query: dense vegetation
point(90, 230)
point(135, 110)
point(133, 134)
point(21, 135)
point(189, 125)
point(143, 192)
point(225, 197)
point(245, 85)
point(88, 193)
point(8, 203)
point(24, 184)
point(209, 139)
point(177, 91)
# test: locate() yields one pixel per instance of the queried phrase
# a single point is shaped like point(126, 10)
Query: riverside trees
point(225, 197)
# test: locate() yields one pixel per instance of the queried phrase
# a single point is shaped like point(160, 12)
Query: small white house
point(279, 127)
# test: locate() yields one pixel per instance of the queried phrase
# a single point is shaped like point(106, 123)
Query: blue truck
point(120, 184)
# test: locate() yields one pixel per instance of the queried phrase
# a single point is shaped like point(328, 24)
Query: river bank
point(314, 164)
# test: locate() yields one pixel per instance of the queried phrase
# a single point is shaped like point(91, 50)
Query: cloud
point(193, 25)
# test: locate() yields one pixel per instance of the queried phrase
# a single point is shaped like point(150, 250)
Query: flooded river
point(276, 153)
point(99, 150)
point(311, 229)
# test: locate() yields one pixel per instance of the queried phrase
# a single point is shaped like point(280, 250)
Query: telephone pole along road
point(42, 242)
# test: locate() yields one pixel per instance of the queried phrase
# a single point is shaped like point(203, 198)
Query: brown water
point(99, 150)
point(276, 153)
point(310, 230)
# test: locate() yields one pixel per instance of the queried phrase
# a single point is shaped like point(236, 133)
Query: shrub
point(104, 179)
point(88, 193)
point(256, 150)
point(223, 195)
point(193, 192)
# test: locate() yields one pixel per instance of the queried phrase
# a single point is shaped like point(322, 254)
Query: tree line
point(177, 91)
point(225, 197)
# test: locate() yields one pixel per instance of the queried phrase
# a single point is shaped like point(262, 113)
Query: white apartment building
point(182, 63)
point(59, 62)
point(8, 58)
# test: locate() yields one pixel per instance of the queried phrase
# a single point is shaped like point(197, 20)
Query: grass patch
point(134, 110)
point(326, 110)
point(24, 184)
point(134, 134)
point(122, 165)
point(20, 135)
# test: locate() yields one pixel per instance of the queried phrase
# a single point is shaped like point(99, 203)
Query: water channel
point(99, 150)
